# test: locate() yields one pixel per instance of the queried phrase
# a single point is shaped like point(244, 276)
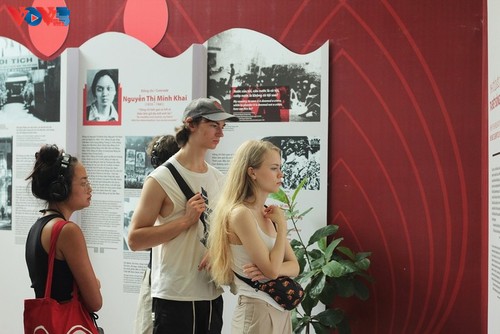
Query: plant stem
point(291, 208)
point(301, 242)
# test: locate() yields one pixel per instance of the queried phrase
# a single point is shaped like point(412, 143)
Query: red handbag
point(47, 316)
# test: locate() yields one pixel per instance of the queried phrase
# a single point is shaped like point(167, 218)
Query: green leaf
point(328, 294)
point(347, 252)
point(361, 290)
point(329, 250)
point(280, 196)
point(317, 264)
point(332, 269)
point(304, 213)
point(291, 213)
point(298, 323)
point(330, 317)
point(338, 268)
point(295, 320)
point(300, 252)
point(308, 303)
point(302, 264)
point(299, 187)
point(350, 266)
point(362, 255)
point(317, 285)
point(295, 244)
point(345, 286)
point(320, 329)
point(298, 328)
point(366, 276)
point(306, 275)
point(322, 232)
point(343, 327)
point(316, 254)
point(321, 244)
point(363, 264)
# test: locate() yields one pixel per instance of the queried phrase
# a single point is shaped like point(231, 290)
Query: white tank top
point(240, 258)
point(174, 271)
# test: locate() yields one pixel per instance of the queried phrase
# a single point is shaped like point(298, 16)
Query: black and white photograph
point(102, 93)
point(6, 183)
point(137, 167)
point(30, 88)
point(258, 86)
point(300, 160)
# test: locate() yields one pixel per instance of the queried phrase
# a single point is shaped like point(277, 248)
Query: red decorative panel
point(406, 147)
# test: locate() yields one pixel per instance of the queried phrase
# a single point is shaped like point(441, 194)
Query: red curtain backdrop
point(407, 136)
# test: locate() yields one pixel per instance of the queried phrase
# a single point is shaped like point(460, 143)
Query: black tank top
point(37, 261)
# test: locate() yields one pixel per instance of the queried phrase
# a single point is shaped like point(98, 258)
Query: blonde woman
point(250, 239)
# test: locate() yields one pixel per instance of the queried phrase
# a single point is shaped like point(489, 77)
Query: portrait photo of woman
point(102, 97)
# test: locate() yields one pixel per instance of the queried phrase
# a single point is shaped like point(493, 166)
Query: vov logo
point(56, 16)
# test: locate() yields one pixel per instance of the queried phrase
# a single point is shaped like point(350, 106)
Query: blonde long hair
point(238, 187)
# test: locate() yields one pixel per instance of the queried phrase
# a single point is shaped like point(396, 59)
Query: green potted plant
point(327, 270)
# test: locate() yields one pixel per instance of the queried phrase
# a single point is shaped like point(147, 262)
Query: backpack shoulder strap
point(186, 190)
point(180, 181)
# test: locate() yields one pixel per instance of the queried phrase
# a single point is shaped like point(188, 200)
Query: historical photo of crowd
point(29, 86)
point(258, 86)
point(6, 183)
point(300, 160)
point(137, 166)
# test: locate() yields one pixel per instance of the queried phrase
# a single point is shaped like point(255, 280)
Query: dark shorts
point(187, 317)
